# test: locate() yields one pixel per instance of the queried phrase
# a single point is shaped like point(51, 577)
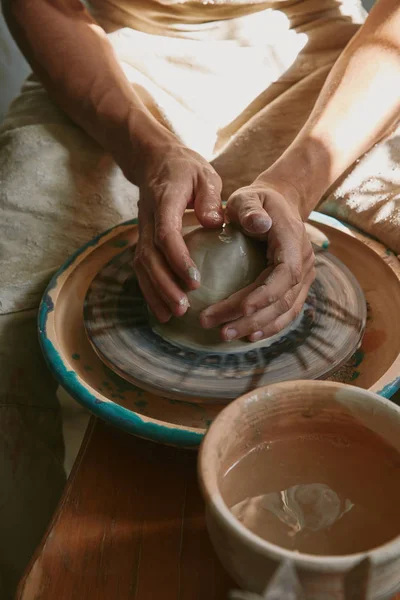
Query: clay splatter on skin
point(193, 274)
point(76, 356)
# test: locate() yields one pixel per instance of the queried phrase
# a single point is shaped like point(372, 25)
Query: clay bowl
point(244, 424)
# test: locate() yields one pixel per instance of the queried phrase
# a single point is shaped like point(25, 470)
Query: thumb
point(208, 203)
point(244, 208)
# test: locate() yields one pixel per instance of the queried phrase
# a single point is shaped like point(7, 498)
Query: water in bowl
point(318, 494)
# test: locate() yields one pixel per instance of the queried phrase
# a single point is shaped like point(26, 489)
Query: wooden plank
point(130, 526)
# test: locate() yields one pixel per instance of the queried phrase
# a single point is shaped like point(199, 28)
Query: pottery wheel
point(322, 339)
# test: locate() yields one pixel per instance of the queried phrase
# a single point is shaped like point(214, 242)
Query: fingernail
point(214, 215)
point(230, 334)
point(258, 223)
point(256, 336)
point(184, 302)
point(194, 274)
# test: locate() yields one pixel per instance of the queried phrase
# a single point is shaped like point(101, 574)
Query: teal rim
point(107, 410)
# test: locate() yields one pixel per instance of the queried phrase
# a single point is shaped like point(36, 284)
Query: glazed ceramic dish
point(303, 408)
point(375, 366)
point(321, 339)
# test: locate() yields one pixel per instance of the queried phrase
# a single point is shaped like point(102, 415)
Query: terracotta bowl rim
point(220, 511)
point(111, 412)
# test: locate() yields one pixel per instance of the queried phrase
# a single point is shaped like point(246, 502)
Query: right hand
point(267, 209)
point(174, 179)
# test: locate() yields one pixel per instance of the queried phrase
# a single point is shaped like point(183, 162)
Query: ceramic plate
point(322, 338)
point(77, 367)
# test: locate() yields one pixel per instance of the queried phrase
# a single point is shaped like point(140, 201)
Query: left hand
point(267, 211)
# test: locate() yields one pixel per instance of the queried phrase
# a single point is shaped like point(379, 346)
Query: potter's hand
point(175, 178)
point(262, 309)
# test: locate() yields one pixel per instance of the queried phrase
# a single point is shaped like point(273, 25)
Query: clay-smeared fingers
point(169, 240)
point(285, 319)
point(244, 208)
point(231, 308)
point(208, 203)
point(288, 256)
point(278, 278)
point(270, 320)
point(173, 247)
point(156, 304)
point(226, 310)
point(163, 281)
point(148, 259)
point(291, 253)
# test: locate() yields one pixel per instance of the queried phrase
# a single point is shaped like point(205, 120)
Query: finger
point(288, 255)
point(163, 280)
point(245, 209)
point(226, 310)
point(255, 324)
point(284, 320)
point(169, 240)
point(266, 295)
point(149, 260)
point(229, 309)
point(316, 236)
point(208, 203)
point(157, 306)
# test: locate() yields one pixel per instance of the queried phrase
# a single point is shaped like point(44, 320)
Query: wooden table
point(130, 525)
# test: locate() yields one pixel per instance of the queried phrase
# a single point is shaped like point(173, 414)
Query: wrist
point(302, 173)
point(137, 141)
point(275, 181)
point(150, 141)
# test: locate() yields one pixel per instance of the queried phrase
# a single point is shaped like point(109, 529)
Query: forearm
point(72, 56)
point(358, 104)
